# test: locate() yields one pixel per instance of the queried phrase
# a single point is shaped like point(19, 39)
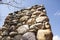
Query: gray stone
point(4, 28)
point(29, 36)
point(17, 37)
point(12, 28)
point(4, 38)
point(19, 24)
point(8, 38)
point(22, 29)
point(13, 33)
point(5, 33)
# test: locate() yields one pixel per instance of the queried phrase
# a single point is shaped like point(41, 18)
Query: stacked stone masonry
point(27, 24)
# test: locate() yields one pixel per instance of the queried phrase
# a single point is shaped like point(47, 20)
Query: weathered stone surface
point(42, 14)
point(47, 25)
point(4, 33)
point(32, 10)
point(27, 24)
point(24, 18)
point(22, 29)
point(12, 28)
point(33, 16)
point(41, 18)
point(6, 38)
point(13, 33)
point(4, 28)
point(44, 34)
point(37, 13)
point(17, 37)
point(29, 36)
point(0, 37)
point(0, 31)
point(31, 21)
point(37, 26)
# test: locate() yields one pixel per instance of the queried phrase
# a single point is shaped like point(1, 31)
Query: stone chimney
point(27, 24)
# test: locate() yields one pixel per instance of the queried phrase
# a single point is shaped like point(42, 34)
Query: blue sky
point(52, 8)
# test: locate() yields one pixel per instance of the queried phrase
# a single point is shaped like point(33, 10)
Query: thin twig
point(11, 5)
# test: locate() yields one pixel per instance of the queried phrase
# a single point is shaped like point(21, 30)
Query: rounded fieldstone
point(42, 14)
point(7, 21)
point(5, 33)
point(4, 38)
point(44, 34)
point(32, 10)
point(13, 33)
point(37, 26)
point(29, 36)
point(17, 37)
point(22, 29)
point(24, 18)
point(36, 13)
point(41, 18)
point(12, 28)
point(8, 38)
point(22, 14)
point(19, 24)
point(4, 28)
point(31, 21)
point(25, 11)
point(33, 16)
point(17, 16)
point(14, 21)
point(29, 13)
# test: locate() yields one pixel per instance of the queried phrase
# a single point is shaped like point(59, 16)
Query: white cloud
point(56, 37)
point(57, 13)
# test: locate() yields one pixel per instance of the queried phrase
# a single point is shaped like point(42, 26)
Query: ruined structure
point(27, 24)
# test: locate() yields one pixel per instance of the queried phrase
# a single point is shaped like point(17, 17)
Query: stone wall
point(27, 24)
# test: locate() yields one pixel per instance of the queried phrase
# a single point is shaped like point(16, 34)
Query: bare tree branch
point(11, 5)
point(17, 2)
